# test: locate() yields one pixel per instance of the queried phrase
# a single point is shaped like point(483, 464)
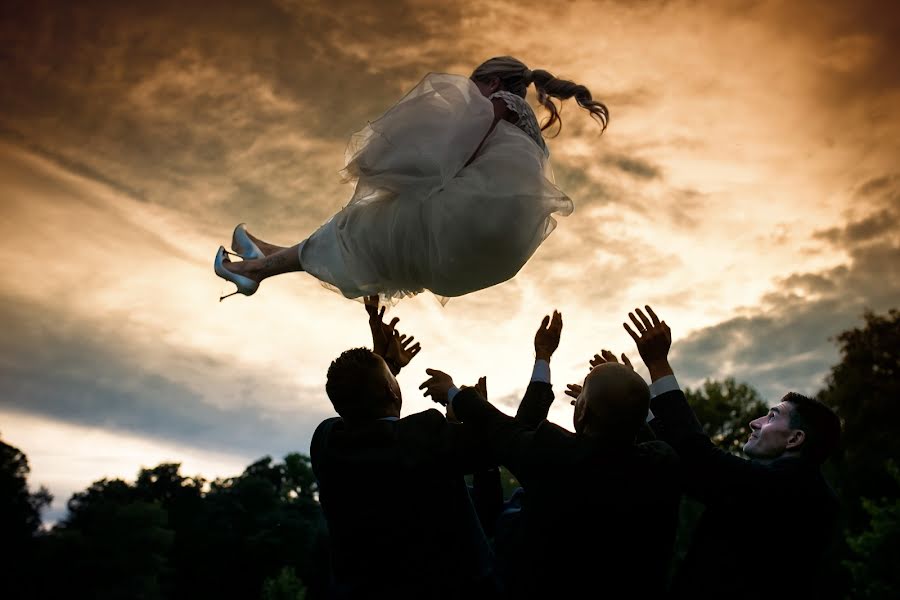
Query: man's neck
point(769, 461)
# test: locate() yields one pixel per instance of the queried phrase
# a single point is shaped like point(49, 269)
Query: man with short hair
point(400, 519)
point(767, 520)
point(600, 511)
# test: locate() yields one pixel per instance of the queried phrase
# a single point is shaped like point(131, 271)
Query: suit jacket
point(765, 522)
point(599, 515)
point(398, 511)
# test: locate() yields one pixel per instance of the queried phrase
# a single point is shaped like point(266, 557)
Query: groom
point(399, 515)
point(767, 520)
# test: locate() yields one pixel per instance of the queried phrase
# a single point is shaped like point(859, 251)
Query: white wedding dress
point(420, 219)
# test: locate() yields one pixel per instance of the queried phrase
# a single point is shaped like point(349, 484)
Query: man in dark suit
point(399, 515)
point(600, 510)
point(768, 519)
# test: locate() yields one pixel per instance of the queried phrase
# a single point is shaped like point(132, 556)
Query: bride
point(453, 194)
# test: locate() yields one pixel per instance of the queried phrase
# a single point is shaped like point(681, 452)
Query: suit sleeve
point(711, 472)
point(535, 405)
point(510, 442)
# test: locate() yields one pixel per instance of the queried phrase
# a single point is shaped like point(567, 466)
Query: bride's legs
point(284, 260)
point(265, 247)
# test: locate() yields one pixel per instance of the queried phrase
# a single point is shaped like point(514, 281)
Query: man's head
point(614, 400)
point(798, 425)
point(361, 386)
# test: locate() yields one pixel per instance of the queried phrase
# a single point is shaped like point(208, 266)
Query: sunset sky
point(748, 188)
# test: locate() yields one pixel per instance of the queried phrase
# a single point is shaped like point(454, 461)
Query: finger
point(644, 318)
point(426, 383)
point(399, 337)
point(652, 314)
point(415, 349)
point(571, 393)
point(631, 332)
point(609, 356)
point(638, 324)
point(431, 371)
point(393, 322)
point(626, 361)
point(544, 322)
point(381, 312)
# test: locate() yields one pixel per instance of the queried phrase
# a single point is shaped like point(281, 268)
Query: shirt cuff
point(541, 371)
point(451, 394)
point(663, 385)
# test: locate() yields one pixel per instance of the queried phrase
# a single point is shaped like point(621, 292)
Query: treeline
point(261, 534)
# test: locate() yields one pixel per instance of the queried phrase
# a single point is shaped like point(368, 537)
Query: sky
point(748, 188)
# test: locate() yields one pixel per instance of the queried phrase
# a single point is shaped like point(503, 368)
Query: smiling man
point(767, 519)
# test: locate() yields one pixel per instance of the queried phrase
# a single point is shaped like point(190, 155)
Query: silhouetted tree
point(864, 390)
point(873, 565)
point(113, 544)
point(284, 586)
point(20, 520)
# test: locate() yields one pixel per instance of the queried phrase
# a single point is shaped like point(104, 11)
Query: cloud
point(85, 373)
point(786, 342)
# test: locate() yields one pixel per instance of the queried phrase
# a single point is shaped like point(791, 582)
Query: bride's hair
point(515, 78)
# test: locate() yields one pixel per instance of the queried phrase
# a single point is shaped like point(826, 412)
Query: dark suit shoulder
point(431, 417)
point(657, 451)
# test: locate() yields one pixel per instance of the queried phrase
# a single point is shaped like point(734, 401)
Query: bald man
point(600, 509)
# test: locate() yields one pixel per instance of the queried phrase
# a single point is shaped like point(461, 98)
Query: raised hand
point(437, 386)
point(653, 340)
point(573, 390)
point(546, 340)
point(382, 333)
point(606, 356)
point(481, 387)
point(400, 351)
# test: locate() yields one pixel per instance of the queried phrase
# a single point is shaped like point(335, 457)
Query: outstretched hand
point(573, 390)
point(606, 356)
point(396, 349)
point(437, 386)
point(401, 350)
point(653, 340)
point(546, 340)
point(381, 332)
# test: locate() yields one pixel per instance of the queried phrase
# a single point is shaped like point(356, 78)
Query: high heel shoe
point(245, 285)
point(243, 245)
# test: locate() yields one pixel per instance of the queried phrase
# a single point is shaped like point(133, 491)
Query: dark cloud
point(87, 374)
point(637, 167)
point(786, 342)
point(174, 101)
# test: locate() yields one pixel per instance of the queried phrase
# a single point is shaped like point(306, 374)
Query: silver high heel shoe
point(245, 285)
point(243, 245)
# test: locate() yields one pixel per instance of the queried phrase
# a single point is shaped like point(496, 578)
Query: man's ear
point(798, 436)
point(494, 84)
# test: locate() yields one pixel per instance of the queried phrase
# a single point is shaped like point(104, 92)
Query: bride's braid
point(515, 77)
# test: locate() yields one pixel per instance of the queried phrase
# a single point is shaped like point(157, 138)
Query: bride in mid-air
point(454, 192)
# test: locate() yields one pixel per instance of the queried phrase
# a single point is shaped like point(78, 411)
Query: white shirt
point(541, 372)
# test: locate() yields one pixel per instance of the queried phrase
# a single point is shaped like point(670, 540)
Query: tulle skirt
point(420, 218)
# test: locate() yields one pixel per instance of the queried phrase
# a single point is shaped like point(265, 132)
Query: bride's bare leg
point(285, 260)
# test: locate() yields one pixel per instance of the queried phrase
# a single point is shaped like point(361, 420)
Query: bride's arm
point(501, 111)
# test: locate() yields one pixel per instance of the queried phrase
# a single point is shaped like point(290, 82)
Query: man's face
point(771, 435)
point(393, 386)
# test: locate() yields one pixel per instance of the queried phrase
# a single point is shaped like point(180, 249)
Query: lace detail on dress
point(527, 120)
